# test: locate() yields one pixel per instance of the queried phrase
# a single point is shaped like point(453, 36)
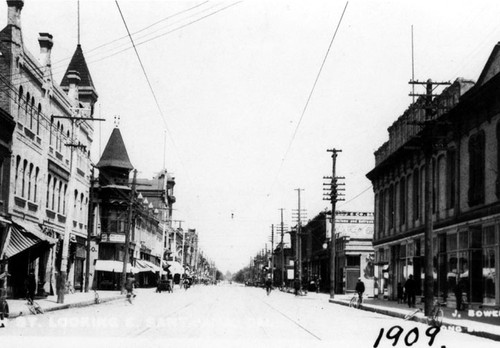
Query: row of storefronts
point(464, 202)
point(55, 219)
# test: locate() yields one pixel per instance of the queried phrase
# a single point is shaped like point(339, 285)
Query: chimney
point(46, 43)
point(74, 81)
point(14, 12)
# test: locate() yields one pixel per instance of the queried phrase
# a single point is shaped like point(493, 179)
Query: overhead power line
point(142, 67)
point(310, 96)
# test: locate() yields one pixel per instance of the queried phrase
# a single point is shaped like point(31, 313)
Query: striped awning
point(20, 241)
point(146, 266)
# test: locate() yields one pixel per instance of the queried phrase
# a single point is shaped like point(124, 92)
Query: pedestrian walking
point(318, 284)
point(269, 284)
point(129, 286)
point(296, 286)
point(410, 290)
point(360, 289)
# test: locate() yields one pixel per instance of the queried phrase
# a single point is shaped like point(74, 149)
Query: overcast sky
point(232, 80)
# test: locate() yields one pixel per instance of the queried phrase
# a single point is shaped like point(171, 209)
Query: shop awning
point(20, 241)
point(34, 229)
point(146, 266)
point(113, 266)
point(175, 267)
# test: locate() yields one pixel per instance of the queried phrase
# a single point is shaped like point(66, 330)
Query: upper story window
point(416, 194)
point(402, 201)
point(476, 168)
point(451, 170)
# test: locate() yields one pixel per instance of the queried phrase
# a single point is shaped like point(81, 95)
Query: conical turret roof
point(78, 64)
point(115, 154)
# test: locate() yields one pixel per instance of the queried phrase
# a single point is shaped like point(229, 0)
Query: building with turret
point(44, 160)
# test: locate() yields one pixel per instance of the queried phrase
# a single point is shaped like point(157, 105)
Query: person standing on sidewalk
point(296, 286)
point(30, 284)
point(360, 289)
point(410, 290)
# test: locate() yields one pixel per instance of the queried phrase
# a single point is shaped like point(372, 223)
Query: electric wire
point(309, 97)
point(90, 61)
point(142, 67)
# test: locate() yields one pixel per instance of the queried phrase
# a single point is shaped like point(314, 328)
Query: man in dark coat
point(296, 285)
point(360, 289)
point(410, 290)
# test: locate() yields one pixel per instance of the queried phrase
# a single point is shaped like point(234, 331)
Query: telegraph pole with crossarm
point(333, 197)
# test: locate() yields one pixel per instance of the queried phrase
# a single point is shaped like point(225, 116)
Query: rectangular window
point(416, 195)
point(391, 207)
point(402, 201)
point(450, 178)
point(489, 235)
point(451, 242)
point(476, 168)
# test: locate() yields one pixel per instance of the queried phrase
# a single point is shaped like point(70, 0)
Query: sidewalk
point(483, 322)
point(18, 307)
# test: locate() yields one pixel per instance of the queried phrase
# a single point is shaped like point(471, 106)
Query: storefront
point(468, 260)
point(108, 274)
point(147, 273)
point(23, 251)
point(465, 263)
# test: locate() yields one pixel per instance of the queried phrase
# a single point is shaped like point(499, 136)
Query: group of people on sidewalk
point(408, 291)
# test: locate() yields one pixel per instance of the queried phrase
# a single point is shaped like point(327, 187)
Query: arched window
point(19, 102)
point(59, 193)
point(30, 180)
point(38, 114)
point(35, 190)
point(51, 130)
point(64, 198)
point(81, 207)
point(47, 205)
point(54, 185)
point(58, 135)
point(23, 184)
point(26, 107)
point(32, 106)
point(16, 179)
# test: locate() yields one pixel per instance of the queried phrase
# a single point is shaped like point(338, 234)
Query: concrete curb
point(57, 307)
point(423, 320)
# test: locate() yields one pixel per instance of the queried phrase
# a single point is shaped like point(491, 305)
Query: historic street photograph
point(249, 173)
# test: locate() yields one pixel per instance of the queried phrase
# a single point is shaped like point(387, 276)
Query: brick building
point(465, 195)
point(45, 183)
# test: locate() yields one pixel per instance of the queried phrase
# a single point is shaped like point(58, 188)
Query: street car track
point(144, 330)
point(292, 320)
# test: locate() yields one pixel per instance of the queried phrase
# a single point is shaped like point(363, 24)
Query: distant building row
point(54, 217)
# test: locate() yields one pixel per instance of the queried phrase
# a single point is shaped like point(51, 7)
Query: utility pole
point(272, 253)
point(428, 144)
point(63, 275)
point(298, 241)
point(282, 252)
point(334, 197)
point(90, 227)
point(174, 242)
point(128, 231)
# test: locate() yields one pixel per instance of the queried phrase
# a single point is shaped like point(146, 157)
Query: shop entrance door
point(78, 278)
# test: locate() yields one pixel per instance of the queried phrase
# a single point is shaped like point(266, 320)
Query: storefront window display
point(468, 259)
